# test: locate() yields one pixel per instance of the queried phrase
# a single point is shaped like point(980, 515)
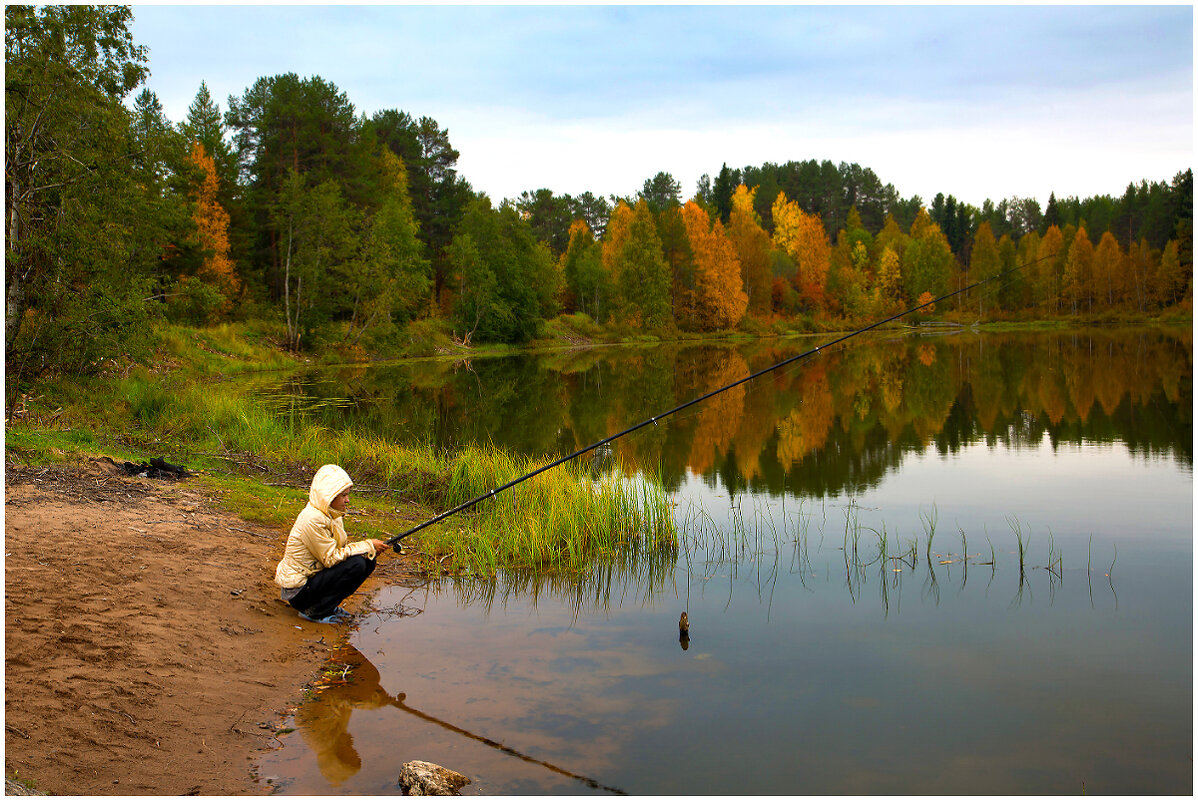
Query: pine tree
point(393, 282)
point(641, 272)
point(1052, 213)
point(205, 124)
point(725, 184)
point(587, 282)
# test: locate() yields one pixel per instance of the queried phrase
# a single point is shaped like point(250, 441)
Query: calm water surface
point(859, 618)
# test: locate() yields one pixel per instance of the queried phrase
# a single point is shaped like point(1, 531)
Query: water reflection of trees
point(842, 422)
point(832, 424)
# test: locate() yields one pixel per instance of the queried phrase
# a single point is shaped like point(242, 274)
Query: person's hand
point(379, 546)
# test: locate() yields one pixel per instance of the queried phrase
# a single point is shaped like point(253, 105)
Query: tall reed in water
point(1017, 528)
point(929, 526)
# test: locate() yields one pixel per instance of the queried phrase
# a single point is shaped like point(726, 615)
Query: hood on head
point(329, 482)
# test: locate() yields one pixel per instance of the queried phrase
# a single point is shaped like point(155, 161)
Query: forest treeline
point(291, 206)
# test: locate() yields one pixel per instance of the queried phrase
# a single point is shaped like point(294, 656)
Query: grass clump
point(223, 349)
point(561, 519)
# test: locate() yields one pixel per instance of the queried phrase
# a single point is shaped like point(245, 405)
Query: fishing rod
point(394, 541)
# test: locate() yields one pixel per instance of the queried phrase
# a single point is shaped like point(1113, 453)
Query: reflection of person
point(323, 721)
point(320, 568)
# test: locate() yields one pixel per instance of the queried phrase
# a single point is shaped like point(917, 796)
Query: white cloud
point(975, 102)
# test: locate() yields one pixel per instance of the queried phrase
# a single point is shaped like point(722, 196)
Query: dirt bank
point(146, 650)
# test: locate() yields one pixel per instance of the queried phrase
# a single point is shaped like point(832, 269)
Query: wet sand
point(146, 648)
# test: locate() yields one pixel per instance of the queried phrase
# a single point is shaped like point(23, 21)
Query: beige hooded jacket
point(318, 540)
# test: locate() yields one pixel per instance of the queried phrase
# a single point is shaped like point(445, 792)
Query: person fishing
point(320, 567)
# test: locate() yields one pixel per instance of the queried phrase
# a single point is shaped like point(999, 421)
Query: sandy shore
point(146, 649)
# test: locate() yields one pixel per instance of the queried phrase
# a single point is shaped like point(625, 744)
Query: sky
point(978, 102)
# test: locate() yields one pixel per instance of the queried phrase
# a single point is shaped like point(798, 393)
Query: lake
point(912, 564)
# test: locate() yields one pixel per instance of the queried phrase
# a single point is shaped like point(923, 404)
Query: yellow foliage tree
point(1169, 278)
point(889, 286)
point(618, 227)
point(891, 236)
point(1138, 266)
point(753, 247)
point(1046, 283)
point(803, 238)
point(1077, 280)
point(984, 262)
point(1111, 284)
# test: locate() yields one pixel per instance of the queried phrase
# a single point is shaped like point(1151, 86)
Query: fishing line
point(399, 703)
point(990, 293)
point(654, 421)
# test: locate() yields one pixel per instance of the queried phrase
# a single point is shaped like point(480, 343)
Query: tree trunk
point(14, 302)
point(367, 325)
point(291, 338)
point(14, 310)
point(353, 319)
point(299, 287)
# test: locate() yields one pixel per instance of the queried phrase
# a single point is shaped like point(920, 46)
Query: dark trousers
point(327, 588)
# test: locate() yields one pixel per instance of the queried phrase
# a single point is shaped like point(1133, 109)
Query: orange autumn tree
point(212, 230)
point(1077, 278)
point(802, 237)
point(720, 297)
point(1046, 280)
point(1109, 268)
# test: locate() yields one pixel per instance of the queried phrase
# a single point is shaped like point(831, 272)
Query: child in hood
point(320, 568)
